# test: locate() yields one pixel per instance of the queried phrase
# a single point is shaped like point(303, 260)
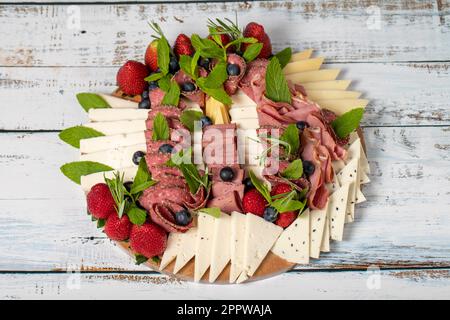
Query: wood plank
point(403, 223)
point(339, 30)
point(405, 284)
point(44, 98)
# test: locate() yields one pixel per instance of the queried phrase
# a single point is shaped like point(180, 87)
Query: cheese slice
point(317, 219)
point(118, 103)
point(260, 236)
point(172, 249)
point(341, 106)
point(221, 253)
point(337, 211)
point(327, 85)
point(293, 244)
point(246, 124)
point(333, 186)
point(109, 114)
point(186, 250)
point(325, 244)
point(240, 99)
point(111, 142)
point(117, 127)
point(243, 113)
point(354, 151)
point(88, 181)
point(332, 94)
point(350, 175)
point(314, 76)
point(203, 246)
point(115, 158)
point(302, 55)
point(237, 245)
point(303, 65)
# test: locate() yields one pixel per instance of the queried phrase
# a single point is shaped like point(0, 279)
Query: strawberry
point(130, 78)
point(280, 189)
point(225, 39)
point(183, 46)
point(286, 218)
point(100, 202)
point(151, 56)
point(255, 30)
point(118, 228)
point(254, 202)
point(148, 240)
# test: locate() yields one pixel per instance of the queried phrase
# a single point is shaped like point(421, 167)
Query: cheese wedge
point(87, 182)
point(118, 103)
point(109, 114)
point(115, 158)
point(302, 55)
point(221, 253)
point(246, 124)
point(332, 94)
point(333, 186)
point(325, 245)
point(316, 230)
point(241, 113)
point(186, 250)
point(237, 245)
point(303, 65)
point(203, 246)
point(117, 127)
point(172, 249)
point(349, 175)
point(354, 151)
point(293, 244)
point(260, 236)
point(240, 99)
point(314, 76)
point(337, 211)
point(111, 142)
point(341, 106)
point(327, 85)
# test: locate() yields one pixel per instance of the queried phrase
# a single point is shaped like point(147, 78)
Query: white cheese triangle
point(317, 227)
point(203, 247)
point(172, 249)
point(336, 212)
point(220, 255)
point(325, 243)
point(186, 250)
point(237, 245)
point(118, 103)
point(293, 244)
point(349, 175)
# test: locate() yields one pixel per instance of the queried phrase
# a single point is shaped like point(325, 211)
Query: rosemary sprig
point(226, 27)
point(157, 29)
point(118, 192)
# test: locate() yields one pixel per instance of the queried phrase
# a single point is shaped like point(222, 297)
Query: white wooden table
point(401, 63)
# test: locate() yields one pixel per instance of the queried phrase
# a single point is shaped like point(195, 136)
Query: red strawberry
point(118, 228)
point(266, 51)
point(151, 56)
point(183, 46)
point(148, 240)
point(280, 189)
point(254, 202)
point(100, 202)
point(130, 78)
point(286, 218)
point(255, 30)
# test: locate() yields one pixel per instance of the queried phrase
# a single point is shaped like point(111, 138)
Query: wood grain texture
point(423, 284)
point(111, 34)
point(404, 223)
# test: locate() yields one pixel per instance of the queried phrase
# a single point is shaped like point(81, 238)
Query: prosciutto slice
point(231, 85)
point(254, 82)
point(197, 95)
point(164, 216)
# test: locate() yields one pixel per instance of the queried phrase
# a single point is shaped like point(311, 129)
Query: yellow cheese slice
point(314, 76)
point(302, 55)
point(340, 106)
point(332, 94)
point(217, 111)
point(303, 65)
point(327, 85)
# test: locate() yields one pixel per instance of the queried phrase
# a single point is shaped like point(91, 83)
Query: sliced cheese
point(303, 65)
point(172, 249)
point(115, 158)
point(111, 142)
point(87, 182)
point(334, 185)
point(240, 99)
point(302, 55)
point(243, 113)
point(221, 254)
point(349, 175)
point(317, 227)
point(354, 151)
point(327, 85)
point(314, 76)
point(237, 245)
point(341, 106)
point(117, 127)
point(332, 94)
point(118, 103)
point(246, 124)
point(325, 245)
point(109, 114)
point(203, 246)
point(293, 244)
point(337, 211)
point(186, 250)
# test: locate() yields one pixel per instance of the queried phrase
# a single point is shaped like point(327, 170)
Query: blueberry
point(137, 156)
point(166, 148)
point(226, 174)
point(308, 167)
point(152, 85)
point(301, 125)
point(205, 121)
point(144, 104)
point(183, 217)
point(204, 63)
point(144, 95)
point(174, 66)
point(270, 214)
point(233, 69)
point(248, 183)
point(187, 87)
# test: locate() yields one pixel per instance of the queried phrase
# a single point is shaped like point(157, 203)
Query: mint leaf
point(217, 93)
point(262, 188)
point(294, 170)
point(187, 66)
point(101, 223)
point(74, 170)
point(140, 259)
point(164, 83)
point(215, 212)
point(238, 41)
point(143, 186)
point(291, 136)
point(276, 85)
point(73, 135)
point(137, 215)
point(160, 128)
point(217, 76)
point(142, 176)
point(91, 101)
point(287, 204)
point(154, 77)
point(211, 49)
point(252, 51)
point(189, 117)
point(194, 180)
point(284, 56)
point(172, 97)
point(196, 42)
point(163, 55)
point(348, 122)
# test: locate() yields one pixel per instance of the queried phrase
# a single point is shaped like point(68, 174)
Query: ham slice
point(163, 215)
point(254, 83)
point(228, 202)
point(232, 83)
point(197, 95)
